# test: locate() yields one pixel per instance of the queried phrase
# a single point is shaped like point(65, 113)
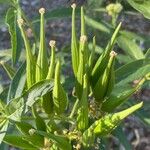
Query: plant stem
point(74, 108)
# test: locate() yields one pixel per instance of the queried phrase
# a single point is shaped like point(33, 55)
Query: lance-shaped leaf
point(105, 82)
point(59, 95)
point(26, 130)
point(16, 107)
point(18, 142)
point(74, 43)
point(143, 6)
point(3, 129)
point(17, 84)
point(11, 17)
point(106, 124)
point(42, 62)
point(82, 118)
point(39, 121)
point(30, 59)
point(81, 68)
point(60, 141)
point(9, 70)
point(104, 58)
point(120, 95)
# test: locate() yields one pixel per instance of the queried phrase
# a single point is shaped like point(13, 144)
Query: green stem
point(74, 109)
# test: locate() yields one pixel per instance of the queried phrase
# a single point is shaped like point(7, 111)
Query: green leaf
point(60, 141)
point(106, 124)
point(119, 95)
point(19, 142)
point(130, 47)
point(17, 106)
point(147, 54)
point(119, 133)
point(11, 19)
point(132, 71)
point(97, 25)
point(3, 129)
point(36, 91)
point(17, 83)
point(6, 2)
point(141, 6)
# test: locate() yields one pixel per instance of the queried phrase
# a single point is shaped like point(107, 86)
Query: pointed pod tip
point(20, 22)
point(139, 105)
point(74, 5)
point(113, 54)
point(83, 39)
point(52, 43)
point(32, 131)
point(42, 10)
point(2, 62)
point(120, 24)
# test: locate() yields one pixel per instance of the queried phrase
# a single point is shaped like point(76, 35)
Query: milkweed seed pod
point(103, 59)
point(47, 100)
point(74, 43)
point(81, 68)
point(106, 81)
point(30, 59)
point(106, 124)
point(42, 62)
point(82, 119)
point(59, 95)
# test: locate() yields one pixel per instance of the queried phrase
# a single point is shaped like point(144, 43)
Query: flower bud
point(42, 10)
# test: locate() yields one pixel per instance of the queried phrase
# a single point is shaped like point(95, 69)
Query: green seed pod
point(103, 59)
point(30, 59)
point(50, 74)
point(59, 95)
point(82, 65)
point(42, 62)
point(74, 43)
point(47, 100)
point(47, 103)
point(104, 85)
point(83, 30)
point(113, 101)
point(82, 119)
point(106, 124)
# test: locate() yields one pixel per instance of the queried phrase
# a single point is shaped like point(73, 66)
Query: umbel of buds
point(113, 9)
